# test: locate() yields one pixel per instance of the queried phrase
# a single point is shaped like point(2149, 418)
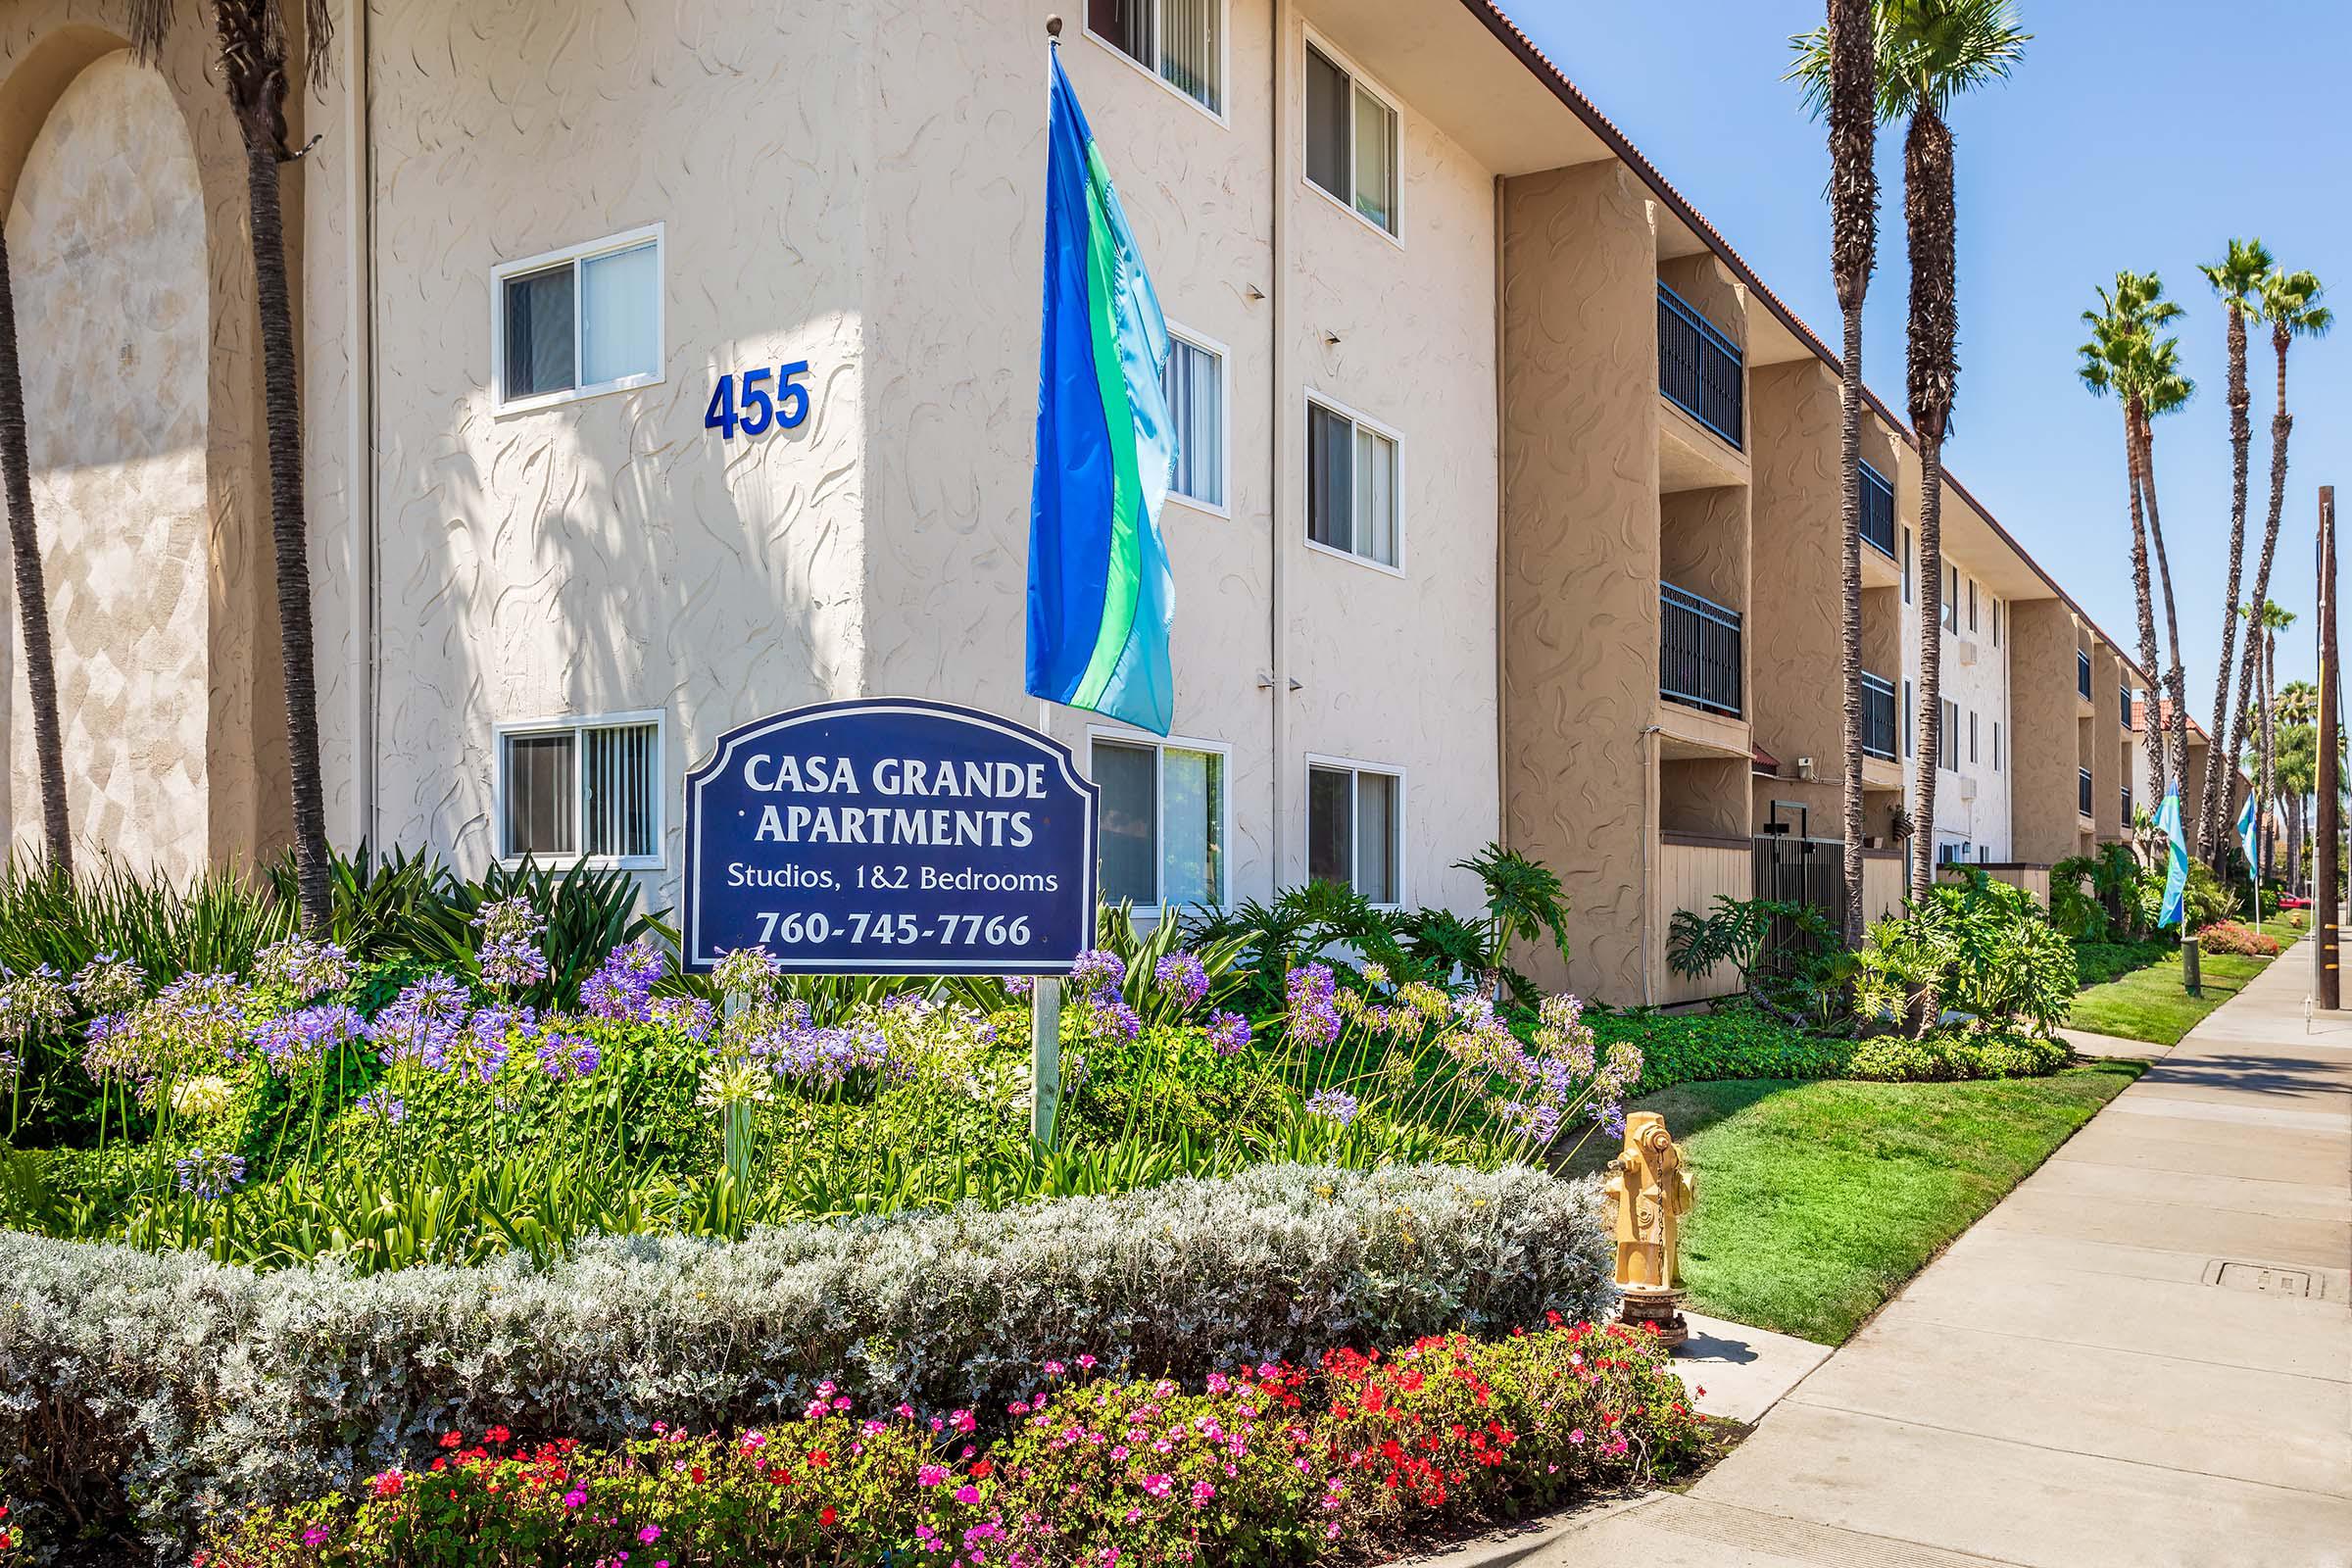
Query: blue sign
point(891, 837)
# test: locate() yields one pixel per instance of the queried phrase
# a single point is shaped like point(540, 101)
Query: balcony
point(2083, 792)
point(2083, 674)
point(1877, 717)
point(1698, 652)
point(1878, 511)
point(1699, 368)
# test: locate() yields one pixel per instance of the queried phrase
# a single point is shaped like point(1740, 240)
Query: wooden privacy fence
point(1694, 870)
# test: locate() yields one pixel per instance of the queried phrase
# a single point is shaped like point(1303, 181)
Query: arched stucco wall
point(105, 242)
point(45, 46)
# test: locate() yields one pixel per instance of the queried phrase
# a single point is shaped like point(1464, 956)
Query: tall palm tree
point(1930, 53)
point(2163, 390)
point(1843, 89)
point(2298, 760)
point(2291, 305)
point(253, 68)
point(2237, 279)
point(33, 593)
point(2112, 361)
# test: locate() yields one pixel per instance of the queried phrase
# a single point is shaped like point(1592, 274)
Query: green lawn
point(1817, 1201)
point(2147, 1003)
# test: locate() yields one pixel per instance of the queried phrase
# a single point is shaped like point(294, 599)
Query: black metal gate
point(1793, 867)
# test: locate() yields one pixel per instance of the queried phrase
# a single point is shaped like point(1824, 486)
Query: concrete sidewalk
point(2142, 1357)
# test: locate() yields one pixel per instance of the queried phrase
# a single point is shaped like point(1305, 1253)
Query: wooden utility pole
point(2326, 923)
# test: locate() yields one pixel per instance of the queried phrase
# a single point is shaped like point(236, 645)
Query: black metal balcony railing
point(1878, 511)
point(1877, 717)
point(1698, 651)
point(1699, 367)
point(2082, 793)
point(2083, 673)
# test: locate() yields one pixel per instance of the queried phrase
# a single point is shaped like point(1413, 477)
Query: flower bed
point(1276, 1463)
point(2227, 936)
point(172, 1388)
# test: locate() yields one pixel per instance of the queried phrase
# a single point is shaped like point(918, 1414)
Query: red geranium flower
point(450, 1440)
point(827, 1517)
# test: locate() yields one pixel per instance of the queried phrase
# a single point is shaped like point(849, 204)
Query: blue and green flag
point(2176, 858)
point(2247, 836)
point(1100, 594)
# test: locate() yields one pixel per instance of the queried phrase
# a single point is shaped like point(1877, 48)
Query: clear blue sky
point(2142, 136)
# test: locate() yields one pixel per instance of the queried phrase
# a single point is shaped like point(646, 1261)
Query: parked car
point(2293, 901)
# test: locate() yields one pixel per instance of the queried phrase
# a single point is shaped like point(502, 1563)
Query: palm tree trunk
point(32, 594)
point(1929, 222)
point(1849, 652)
point(1853, 116)
point(2175, 676)
point(2144, 592)
point(2218, 759)
point(2282, 424)
point(2269, 778)
point(257, 91)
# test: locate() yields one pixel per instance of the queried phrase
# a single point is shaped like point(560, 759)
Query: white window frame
point(1306, 499)
point(1388, 100)
point(1405, 795)
point(1202, 341)
point(576, 727)
point(1224, 58)
point(577, 256)
point(1159, 746)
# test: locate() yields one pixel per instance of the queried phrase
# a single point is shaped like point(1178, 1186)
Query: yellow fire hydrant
point(1651, 1190)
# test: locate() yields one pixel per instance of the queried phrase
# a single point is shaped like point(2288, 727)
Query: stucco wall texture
point(1580, 612)
point(106, 239)
point(883, 220)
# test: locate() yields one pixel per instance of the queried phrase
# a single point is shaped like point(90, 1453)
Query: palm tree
point(1843, 89)
point(1929, 53)
point(2290, 304)
point(33, 593)
point(252, 36)
point(2237, 279)
point(2164, 390)
point(2112, 361)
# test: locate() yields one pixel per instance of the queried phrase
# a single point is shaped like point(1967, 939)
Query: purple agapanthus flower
point(1099, 967)
point(690, 1016)
point(512, 962)
point(566, 1056)
point(1335, 1104)
point(299, 1040)
point(207, 1176)
point(1228, 1032)
point(1184, 974)
point(385, 1107)
point(1314, 1019)
point(421, 1024)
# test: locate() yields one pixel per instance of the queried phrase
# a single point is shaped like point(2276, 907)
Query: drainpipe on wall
point(1278, 608)
point(1502, 815)
point(358, 538)
point(1650, 844)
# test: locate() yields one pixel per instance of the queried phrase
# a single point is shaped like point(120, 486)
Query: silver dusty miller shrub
point(154, 1391)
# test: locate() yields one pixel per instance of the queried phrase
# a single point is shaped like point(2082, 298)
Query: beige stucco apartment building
point(1508, 508)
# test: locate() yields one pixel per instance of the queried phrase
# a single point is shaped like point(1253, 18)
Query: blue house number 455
point(772, 397)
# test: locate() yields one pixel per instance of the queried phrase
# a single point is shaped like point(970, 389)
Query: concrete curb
point(1529, 1536)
